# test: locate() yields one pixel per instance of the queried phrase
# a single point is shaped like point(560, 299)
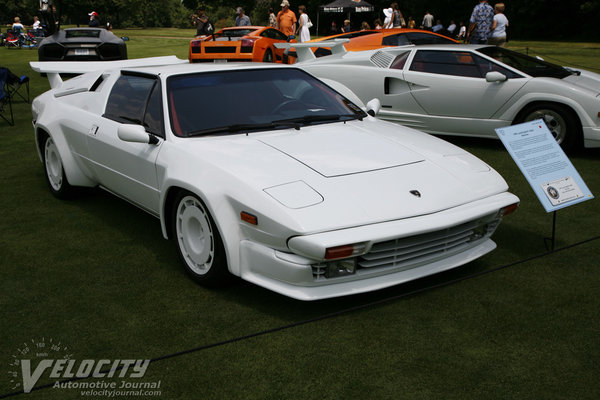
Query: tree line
point(541, 19)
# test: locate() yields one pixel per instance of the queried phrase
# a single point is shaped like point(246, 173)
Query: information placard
point(550, 173)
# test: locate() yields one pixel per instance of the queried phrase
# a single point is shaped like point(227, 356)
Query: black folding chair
point(5, 101)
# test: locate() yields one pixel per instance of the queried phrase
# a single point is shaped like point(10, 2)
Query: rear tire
point(55, 172)
point(198, 241)
point(560, 120)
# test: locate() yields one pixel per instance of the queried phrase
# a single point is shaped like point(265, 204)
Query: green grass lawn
point(95, 274)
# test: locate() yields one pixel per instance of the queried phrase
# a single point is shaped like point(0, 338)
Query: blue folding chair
point(5, 101)
point(15, 85)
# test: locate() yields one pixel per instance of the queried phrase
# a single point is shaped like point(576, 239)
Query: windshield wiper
point(242, 127)
point(296, 123)
point(308, 119)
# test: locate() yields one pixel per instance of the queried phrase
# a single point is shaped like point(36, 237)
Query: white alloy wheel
point(554, 121)
point(54, 167)
point(194, 235)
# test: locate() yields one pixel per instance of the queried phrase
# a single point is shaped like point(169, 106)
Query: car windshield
point(235, 33)
point(527, 64)
point(235, 101)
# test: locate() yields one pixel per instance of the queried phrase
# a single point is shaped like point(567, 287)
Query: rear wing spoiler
point(54, 68)
point(304, 52)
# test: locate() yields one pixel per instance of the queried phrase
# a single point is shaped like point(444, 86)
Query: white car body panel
point(311, 188)
point(456, 105)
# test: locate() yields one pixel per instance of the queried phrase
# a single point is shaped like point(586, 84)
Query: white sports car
point(468, 90)
point(267, 173)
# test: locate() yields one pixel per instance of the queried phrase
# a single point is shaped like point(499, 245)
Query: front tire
point(55, 172)
point(560, 120)
point(198, 241)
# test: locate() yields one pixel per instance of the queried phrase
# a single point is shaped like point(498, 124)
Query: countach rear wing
point(54, 68)
point(304, 52)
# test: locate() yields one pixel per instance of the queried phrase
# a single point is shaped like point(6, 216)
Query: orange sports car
point(377, 38)
point(240, 43)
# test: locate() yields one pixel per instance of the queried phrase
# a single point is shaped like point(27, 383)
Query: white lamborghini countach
point(269, 174)
point(467, 90)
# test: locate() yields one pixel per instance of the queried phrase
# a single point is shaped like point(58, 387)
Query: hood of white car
point(586, 80)
point(342, 151)
point(333, 176)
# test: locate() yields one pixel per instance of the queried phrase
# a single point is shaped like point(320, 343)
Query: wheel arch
point(577, 140)
point(230, 242)
point(74, 174)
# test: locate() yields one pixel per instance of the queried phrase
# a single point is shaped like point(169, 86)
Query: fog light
point(341, 268)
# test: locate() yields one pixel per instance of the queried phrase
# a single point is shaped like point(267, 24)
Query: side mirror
point(373, 107)
point(291, 37)
point(495, 76)
point(135, 134)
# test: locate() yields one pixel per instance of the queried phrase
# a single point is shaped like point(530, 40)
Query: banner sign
point(555, 181)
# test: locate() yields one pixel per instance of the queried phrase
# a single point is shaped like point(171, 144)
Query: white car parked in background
point(267, 173)
point(468, 90)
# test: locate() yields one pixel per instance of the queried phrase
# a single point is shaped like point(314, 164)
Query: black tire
point(55, 172)
point(560, 120)
point(268, 57)
point(198, 241)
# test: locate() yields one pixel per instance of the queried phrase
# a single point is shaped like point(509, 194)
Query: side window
point(273, 34)
point(128, 98)
point(153, 117)
point(486, 66)
point(399, 39)
point(458, 63)
point(400, 60)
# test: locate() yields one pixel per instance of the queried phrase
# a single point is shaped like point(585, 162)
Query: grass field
point(95, 275)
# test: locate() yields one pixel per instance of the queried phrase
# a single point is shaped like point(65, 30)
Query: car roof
point(177, 69)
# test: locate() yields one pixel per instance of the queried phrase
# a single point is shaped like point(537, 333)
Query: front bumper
point(297, 276)
point(591, 137)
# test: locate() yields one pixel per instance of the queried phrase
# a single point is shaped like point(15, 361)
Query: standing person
point(286, 19)
point(333, 29)
point(94, 21)
point(241, 19)
point(427, 21)
point(389, 15)
point(272, 18)
point(346, 28)
point(462, 32)
point(303, 24)
point(480, 23)
point(451, 28)
point(411, 23)
point(498, 33)
point(438, 27)
point(203, 25)
point(397, 19)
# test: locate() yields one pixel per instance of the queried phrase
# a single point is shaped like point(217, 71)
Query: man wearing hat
point(94, 22)
point(286, 19)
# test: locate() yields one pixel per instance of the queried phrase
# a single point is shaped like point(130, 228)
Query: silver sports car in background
point(468, 89)
point(267, 173)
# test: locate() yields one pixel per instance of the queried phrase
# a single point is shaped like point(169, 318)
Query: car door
point(452, 83)
point(128, 168)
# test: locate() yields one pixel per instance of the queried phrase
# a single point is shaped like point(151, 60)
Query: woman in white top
point(303, 25)
point(498, 29)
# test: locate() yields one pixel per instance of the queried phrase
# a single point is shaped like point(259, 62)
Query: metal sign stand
point(549, 242)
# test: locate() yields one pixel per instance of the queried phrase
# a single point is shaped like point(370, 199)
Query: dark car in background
point(82, 44)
